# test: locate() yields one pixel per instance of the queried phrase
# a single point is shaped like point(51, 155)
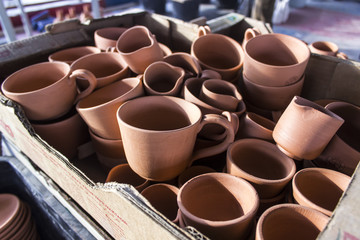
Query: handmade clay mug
point(159, 134)
point(191, 172)
point(47, 90)
point(69, 55)
point(301, 223)
point(123, 173)
point(305, 128)
point(161, 78)
point(275, 59)
point(163, 197)
point(326, 48)
point(107, 67)
point(139, 48)
point(249, 34)
point(262, 164)
point(220, 53)
point(219, 205)
point(319, 188)
point(187, 62)
point(99, 108)
point(253, 125)
point(106, 38)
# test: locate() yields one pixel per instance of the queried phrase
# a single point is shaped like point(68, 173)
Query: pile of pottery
point(16, 221)
point(155, 118)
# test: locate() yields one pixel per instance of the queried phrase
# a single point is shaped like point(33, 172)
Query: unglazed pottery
point(193, 171)
point(271, 98)
point(220, 94)
point(109, 152)
point(319, 188)
point(249, 34)
point(219, 205)
point(107, 67)
point(69, 55)
point(266, 203)
point(161, 78)
point(305, 128)
point(99, 108)
point(47, 90)
point(220, 53)
point(106, 38)
point(187, 62)
point(123, 173)
point(159, 134)
point(275, 59)
point(253, 125)
point(343, 151)
point(65, 134)
point(10, 207)
point(290, 221)
point(326, 48)
point(262, 164)
point(163, 197)
point(139, 48)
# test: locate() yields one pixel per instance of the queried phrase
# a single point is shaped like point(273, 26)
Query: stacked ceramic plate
point(15, 219)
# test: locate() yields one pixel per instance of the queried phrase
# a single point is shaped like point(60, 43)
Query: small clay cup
point(219, 205)
point(69, 55)
point(139, 48)
point(262, 164)
point(161, 78)
point(326, 48)
point(253, 125)
point(249, 34)
point(123, 173)
point(106, 38)
point(99, 108)
point(305, 128)
point(290, 221)
point(47, 90)
point(191, 172)
point(107, 67)
point(319, 188)
point(187, 62)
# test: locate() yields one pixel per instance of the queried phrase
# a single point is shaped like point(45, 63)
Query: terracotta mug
point(191, 172)
point(319, 188)
point(65, 134)
point(275, 59)
point(107, 67)
point(139, 48)
point(220, 53)
point(161, 78)
point(249, 34)
point(106, 38)
point(163, 197)
point(219, 205)
point(262, 164)
point(123, 173)
point(305, 128)
point(326, 48)
point(69, 55)
point(253, 125)
point(187, 62)
point(159, 134)
point(99, 108)
point(47, 90)
point(301, 223)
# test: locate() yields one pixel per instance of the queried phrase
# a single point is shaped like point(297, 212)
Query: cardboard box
point(119, 208)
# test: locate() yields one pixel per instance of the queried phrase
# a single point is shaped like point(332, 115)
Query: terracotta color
point(161, 78)
point(266, 203)
point(99, 108)
point(165, 50)
point(249, 34)
point(253, 125)
point(191, 172)
point(159, 134)
point(47, 90)
point(69, 55)
point(324, 48)
point(343, 151)
point(107, 67)
point(163, 197)
point(139, 48)
point(106, 38)
point(187, 62)
point(110, 153)
point(219, 205)
point(319, 188)
point(24, 226)
point(290, 221)
point(65, 134)
point(271, 98)
point(220, 94)
point(275, 59)
point(220, 53)
point(10, 206)
point(262, 164)
point(123, 173)
point(305, 128)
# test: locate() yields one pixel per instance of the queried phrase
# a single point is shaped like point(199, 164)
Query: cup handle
point(249, 34)
point(222, 146)
point(203, 30)
point(110, 49)
point(89, 76)
point(342, 55)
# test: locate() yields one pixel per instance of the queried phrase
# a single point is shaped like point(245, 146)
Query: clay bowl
point(319, 188)
point(70, 55)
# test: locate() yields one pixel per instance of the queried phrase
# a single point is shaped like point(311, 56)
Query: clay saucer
point(10, 207)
